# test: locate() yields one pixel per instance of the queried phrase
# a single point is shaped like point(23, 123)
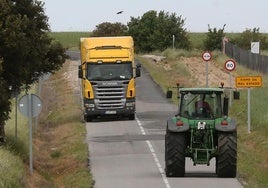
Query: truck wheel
point(227, 154)
point(131, 117)
point(175, 147)
point(89, 118)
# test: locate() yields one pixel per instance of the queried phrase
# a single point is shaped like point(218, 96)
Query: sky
point(85, 15)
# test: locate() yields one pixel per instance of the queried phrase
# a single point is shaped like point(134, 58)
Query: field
point(252, 147)
point(69, 40)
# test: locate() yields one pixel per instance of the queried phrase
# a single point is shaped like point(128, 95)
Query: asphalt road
point(130, 154)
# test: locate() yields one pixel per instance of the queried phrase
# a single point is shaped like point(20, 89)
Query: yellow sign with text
point(248, 81)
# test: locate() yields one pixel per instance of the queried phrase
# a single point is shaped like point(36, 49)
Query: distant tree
point(107, 29)
point(250, 35)
point(26, 50)
point(4, 103)
point(154, 31)
point(213, 39)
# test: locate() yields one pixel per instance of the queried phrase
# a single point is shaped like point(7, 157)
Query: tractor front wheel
point(227, 154)
point(175, 148)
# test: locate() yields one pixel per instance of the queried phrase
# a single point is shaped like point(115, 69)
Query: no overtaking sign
point(30, 105)
point(206, 56)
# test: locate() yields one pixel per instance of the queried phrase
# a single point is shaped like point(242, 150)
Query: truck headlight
point(129, 104)
point(89, 105)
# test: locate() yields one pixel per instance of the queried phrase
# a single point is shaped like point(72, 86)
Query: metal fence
point(244, 57)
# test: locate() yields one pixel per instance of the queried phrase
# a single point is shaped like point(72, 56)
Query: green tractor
point(201, 130)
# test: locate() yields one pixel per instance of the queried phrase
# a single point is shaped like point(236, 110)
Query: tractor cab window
point(201, 105)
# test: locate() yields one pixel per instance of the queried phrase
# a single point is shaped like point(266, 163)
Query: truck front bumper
point(91, 109)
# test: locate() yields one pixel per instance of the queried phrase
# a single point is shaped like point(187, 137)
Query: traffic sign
point(248, 81)
point(206, 56)
point(30, 105)
point(230, 65)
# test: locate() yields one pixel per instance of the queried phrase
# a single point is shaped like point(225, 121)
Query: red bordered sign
point(230, 65)
point(206, 56)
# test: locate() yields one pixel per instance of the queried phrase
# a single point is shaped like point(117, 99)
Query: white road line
point(151, 148)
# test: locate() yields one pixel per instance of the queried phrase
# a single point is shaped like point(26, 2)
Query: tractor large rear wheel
point(175, 146)
point(227, 154)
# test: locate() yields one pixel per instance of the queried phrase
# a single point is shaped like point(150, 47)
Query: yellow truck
point(108, 73)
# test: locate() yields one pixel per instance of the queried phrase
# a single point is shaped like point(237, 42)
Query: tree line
point(154, 31)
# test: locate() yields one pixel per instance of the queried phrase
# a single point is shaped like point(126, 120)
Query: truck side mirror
point(138, 70)
point(80, 72)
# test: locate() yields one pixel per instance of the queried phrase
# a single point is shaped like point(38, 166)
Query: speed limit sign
point(230, 65)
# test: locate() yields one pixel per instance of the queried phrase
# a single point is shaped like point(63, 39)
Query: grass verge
point(15, 153)
point(60, 154)
point(11, 169)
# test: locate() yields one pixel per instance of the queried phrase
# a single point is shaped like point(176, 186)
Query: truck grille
point(110, 96)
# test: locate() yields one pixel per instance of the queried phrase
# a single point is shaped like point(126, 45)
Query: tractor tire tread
point(175, 146)
point(227, 155)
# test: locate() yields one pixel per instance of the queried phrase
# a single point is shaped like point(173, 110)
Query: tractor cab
point(201, 103)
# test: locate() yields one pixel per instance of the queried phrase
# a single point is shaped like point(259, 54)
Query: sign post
point(248, 82)
point(30, 106)
point(230, 65)
point(206, 56)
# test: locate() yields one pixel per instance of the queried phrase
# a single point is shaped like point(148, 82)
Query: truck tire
point(227, 154)
point(89, 118)
point(175, 148)
point(131, 117)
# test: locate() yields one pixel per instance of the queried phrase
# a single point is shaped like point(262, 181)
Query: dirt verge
point(57, 159)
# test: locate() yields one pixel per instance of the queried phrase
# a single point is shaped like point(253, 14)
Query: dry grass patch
point(60, 153)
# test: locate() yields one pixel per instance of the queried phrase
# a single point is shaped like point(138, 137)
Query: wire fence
point(251, 60)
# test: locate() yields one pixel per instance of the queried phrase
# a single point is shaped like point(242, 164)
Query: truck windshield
point(109, 71)
point(200, 105)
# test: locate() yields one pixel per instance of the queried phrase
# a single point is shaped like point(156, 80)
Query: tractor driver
point(202, 107)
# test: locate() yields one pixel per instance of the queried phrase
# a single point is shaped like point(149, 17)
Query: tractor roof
point(201, 90)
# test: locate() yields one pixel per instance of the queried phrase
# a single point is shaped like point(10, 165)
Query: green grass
point(252, 147)
point(69, 40)
point(11, 169)
point(15, 152)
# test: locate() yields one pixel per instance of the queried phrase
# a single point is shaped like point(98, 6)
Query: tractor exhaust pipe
point(225, 106)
